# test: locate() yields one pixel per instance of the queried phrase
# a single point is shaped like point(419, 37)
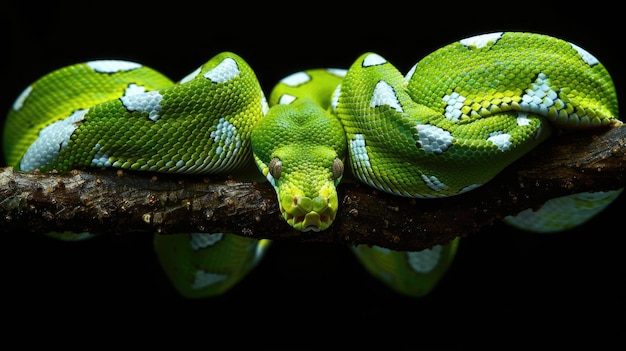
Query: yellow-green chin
point(309, 214)
point(311, 221)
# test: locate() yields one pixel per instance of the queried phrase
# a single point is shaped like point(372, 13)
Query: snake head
point(300, 149)
point(306, 187)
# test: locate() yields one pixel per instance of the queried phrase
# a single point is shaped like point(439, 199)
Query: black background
point(562, 289)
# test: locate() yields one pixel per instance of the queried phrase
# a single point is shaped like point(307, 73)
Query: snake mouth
point(311, 221)
point(303, 217)
point(306, 213)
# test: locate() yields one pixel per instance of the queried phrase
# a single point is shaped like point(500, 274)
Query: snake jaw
point(312, 221)
point(309, 214)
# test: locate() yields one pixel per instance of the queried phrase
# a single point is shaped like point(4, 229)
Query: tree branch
point(115, 202)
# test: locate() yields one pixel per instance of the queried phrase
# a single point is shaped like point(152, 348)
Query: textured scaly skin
point(453, 122)
point(461, 115)
point(309, 145)
point(301, 110)
point(58, 94)
point(201, 265)
point(201, 125)
point(456, 119)
point(412, 273)
point(125, 115)
point(468, 110)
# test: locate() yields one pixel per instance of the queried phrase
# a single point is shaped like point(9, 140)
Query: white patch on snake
point(563, 212)
point(433, 139)
point(270, 179)
point(384, 94)
point(203, 240)
point(260, 247)
point(410, 73)
point(295, 79)
point(265, 107)
point(146, 102)
point(112, 66)
point(286, 99)
point(204, 279)
point(191, 76)
point(522, 120)
point(540, 97)
point(359, 152)
point(224, 71)
point(454, 104)
point(334, 100)
point(100, 159)
point(585, 55)
point(52, 139)
point(373, 60)
point(424, 261)
point(501, 140)
point(339, 72)
point(134, 89)
point(482, 40)
point(19, 102)
point(227, 138)
point(434, 183)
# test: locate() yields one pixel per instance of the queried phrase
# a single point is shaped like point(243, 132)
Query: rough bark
point(121, 203)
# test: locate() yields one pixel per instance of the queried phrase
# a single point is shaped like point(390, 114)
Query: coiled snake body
point(456, 119)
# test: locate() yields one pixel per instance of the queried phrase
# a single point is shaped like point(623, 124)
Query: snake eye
point(275, 167)
point(337, 168)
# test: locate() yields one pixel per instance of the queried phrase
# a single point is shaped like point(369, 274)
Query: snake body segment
point(466, 111)
point(207, 264)
point(200, 125)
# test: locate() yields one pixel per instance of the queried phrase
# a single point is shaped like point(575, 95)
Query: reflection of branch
point(113, 202)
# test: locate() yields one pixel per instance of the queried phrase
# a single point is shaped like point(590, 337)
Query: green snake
point(449, 125)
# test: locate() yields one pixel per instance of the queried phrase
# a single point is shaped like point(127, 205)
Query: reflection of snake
point(457, 118)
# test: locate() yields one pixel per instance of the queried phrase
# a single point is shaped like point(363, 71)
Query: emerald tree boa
point(446, 126)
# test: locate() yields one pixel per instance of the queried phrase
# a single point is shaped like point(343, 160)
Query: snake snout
point(308, 214)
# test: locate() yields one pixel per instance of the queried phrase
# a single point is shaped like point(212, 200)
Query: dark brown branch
point(113, 202)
